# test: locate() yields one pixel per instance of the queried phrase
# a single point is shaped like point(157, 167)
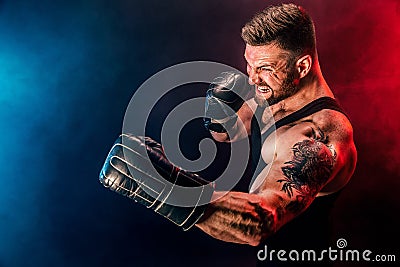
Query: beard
point(287, 89)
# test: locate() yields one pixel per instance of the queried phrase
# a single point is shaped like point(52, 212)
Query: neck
point(311, 87)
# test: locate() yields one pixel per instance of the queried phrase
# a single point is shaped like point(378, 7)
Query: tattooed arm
point(305, 162)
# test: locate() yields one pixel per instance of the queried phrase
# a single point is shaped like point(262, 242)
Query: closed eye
point(268, 69)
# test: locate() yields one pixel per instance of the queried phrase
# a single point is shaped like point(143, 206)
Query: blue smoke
point(52, 89)
point(67, 72)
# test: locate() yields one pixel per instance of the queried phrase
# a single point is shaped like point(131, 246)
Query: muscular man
point(315, 154)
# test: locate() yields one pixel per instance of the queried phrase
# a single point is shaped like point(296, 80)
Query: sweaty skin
point(314, 156)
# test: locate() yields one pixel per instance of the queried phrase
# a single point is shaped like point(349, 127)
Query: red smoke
point(359, 44)
point(365, 76)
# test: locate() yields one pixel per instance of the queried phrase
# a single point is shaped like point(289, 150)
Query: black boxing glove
point(225, 96)
point(136, 167)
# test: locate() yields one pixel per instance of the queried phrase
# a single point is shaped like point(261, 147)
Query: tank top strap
point(257, 139)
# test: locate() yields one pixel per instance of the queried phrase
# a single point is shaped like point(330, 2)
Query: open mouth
point(263, 89)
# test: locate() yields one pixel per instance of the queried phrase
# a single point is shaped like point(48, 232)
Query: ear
point(303, 65)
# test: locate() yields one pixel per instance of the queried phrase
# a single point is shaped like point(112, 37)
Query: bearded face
point(272, 70)
point(280, 92)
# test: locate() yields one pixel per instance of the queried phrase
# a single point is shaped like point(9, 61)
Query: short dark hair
point(287, 25)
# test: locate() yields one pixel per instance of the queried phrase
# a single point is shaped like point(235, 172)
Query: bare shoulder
point(334, 123)
point(326, 132)
point(339, 136)
point(328, 126)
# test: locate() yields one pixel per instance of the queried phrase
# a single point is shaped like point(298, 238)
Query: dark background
point(67, 72)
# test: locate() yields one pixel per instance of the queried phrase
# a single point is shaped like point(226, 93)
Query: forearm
point(240, 218)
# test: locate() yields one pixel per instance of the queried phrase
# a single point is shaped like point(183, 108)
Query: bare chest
point(286, 136)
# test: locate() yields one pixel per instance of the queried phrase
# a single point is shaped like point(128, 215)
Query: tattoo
point(249, 224)
point(310, 168)
point(299, 204)
point(320, 136)
point(280, 212)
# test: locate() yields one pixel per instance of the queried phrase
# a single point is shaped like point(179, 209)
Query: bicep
point(301, 169)
point(302, 166)
point(287, 190)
